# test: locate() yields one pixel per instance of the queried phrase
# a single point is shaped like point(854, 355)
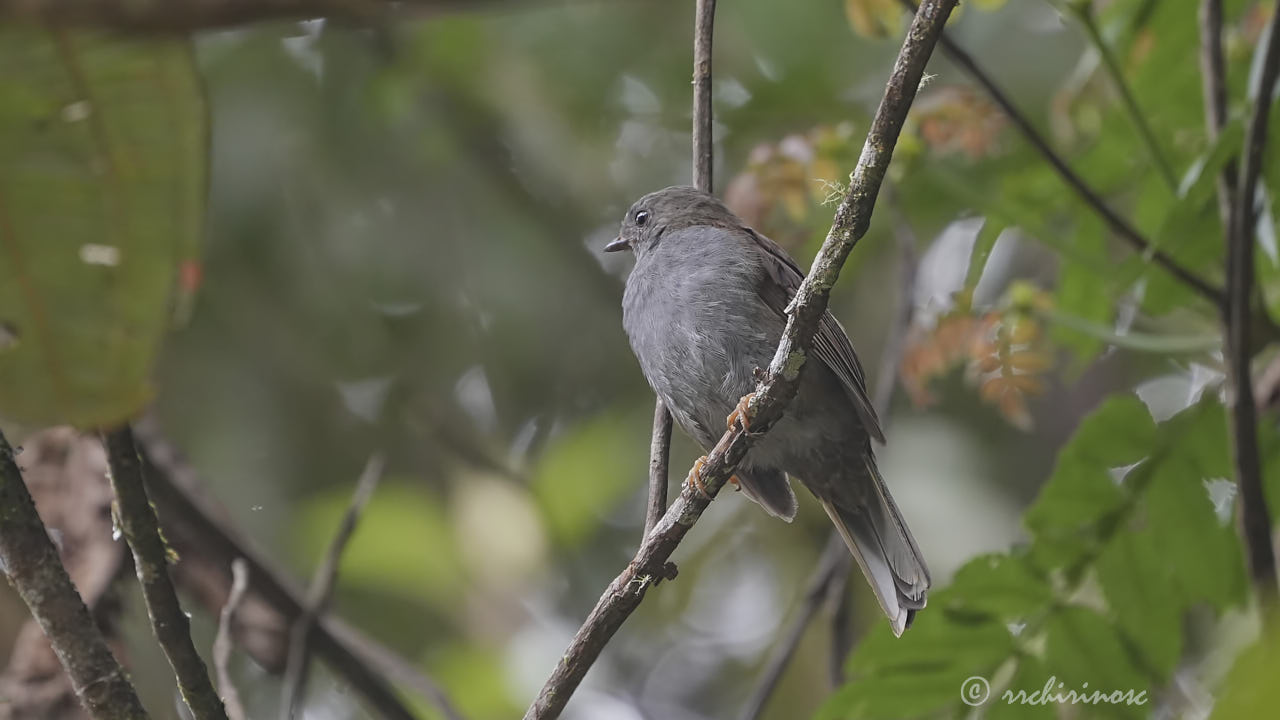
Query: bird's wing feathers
point(831, 344)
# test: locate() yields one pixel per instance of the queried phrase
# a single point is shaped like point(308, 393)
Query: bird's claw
point(739, 414)
point(695, 478)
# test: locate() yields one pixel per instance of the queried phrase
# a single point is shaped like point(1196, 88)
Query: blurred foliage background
point(403, 253)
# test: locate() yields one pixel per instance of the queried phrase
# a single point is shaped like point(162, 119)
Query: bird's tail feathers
point(881, 543)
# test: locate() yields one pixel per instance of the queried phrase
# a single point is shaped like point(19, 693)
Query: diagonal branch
point(31, 563)
point(852, 218)
point(193, 521)
point(1088, 195)
point(321, 591)
point(1255, 521)
point(830, 575)
point(831, 571)
point(141, 530)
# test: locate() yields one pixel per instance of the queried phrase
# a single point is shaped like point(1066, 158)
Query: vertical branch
point(30, 561)
point(660, 444)
point(321, 591)
point(1213, 78)
point(1255, 520)
point(659, 459)
point(704, 21)
point(137, 519)
point(780, 383)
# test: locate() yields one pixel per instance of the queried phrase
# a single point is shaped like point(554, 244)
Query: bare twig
point(830, 575)
point(1255, 520)
point(222, 644)
point(387, 662)
point(321, 590)
point(703, 25)
point(660, 444)
point(659, 460)
point(1088, 195)
point(1213, 77)
point(30, 561)
point(358, 659)
point(852, 218)
point(141, 530)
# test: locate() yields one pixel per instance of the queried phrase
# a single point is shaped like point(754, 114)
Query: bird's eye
point(642, 217)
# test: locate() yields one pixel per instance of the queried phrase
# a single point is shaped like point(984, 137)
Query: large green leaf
point(102, 189)
point(1127, 506)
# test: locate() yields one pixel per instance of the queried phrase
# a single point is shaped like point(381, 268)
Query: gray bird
point(704, 308)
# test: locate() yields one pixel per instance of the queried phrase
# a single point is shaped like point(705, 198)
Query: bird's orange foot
point(695, 477)
point(739, 414)
point(736, 484)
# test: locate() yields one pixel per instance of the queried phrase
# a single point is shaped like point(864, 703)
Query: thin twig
point(1213, 77)
point(830, 576)
point(1255, 520)
point(704, 22)
point(659, 460)
point(852, 218)
point(172, 626)
point(1084, 13)
point(1088, 195)
point(388, 662)
point(30, 561)
point(222, 643)
point(358, 659)
point(833, 565)
point(321, 590)
point(703, 149)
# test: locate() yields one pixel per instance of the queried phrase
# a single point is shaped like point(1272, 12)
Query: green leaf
point(1250, 689)
point(1004, 586)
point(1017, 701)
point(1081, 491)
point(982, 245)
point(922, 671)
point(1084, 293)
point(102, 190)
point(1086, 654)
point(1142, 598)
point(1190, 229)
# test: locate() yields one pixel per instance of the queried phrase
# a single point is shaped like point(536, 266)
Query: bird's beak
point(617, 244)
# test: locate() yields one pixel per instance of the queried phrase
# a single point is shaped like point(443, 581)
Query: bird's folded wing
point(831, 345)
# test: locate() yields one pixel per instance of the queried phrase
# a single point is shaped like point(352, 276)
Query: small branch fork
point(703, 155)
point(321, 591)
point(172, 626)
point(1255, 520)
point(852, 218)
point(30, 561)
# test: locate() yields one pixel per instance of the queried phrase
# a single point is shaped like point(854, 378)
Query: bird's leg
point(739, 414)
point(695, 477)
